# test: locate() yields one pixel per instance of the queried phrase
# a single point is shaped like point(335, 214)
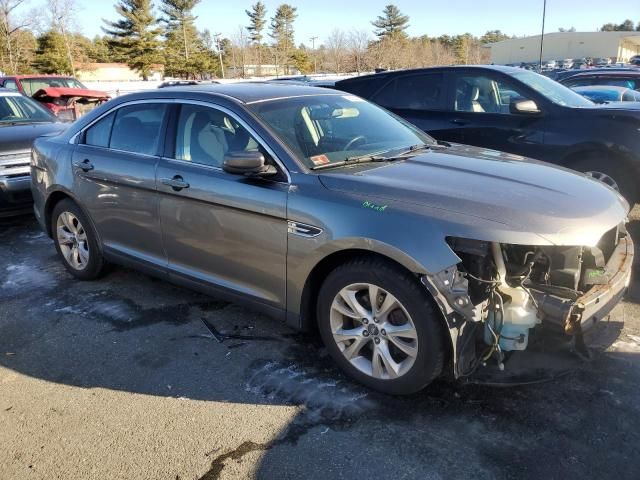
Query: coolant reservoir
point(519, 317)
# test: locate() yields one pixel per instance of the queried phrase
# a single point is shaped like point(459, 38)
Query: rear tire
point(76, 241)
point(614, 175)
point(396, 346)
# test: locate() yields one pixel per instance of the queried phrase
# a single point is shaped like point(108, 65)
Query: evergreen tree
point(392, 23)
point(51, 54)
point(282, 33)
point(181, 37)
point(257, 21)
point(134, 38)
point(98, 50)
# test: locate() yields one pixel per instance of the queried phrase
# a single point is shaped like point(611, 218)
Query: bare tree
point(358, 44)
point(336, 45)
point(63, 21)
point(10, 29)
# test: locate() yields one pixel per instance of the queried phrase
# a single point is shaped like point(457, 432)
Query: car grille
point(15, 164)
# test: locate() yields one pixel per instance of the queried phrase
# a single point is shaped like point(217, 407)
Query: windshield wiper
point(415, 148)
point(354, 160)
point(376, 157)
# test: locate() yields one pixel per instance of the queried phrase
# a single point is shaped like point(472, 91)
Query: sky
point(431, 17)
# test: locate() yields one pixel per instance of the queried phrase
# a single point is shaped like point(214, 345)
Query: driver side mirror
point(247, 163)
point(524, 107)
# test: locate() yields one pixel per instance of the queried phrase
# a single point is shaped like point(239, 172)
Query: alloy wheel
point(72, 239)
point(374, 331)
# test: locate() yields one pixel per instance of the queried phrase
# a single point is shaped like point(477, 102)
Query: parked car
point(566, 63)
point(186, 83)
point(550, 65)
point(515, 111)
point(323, 209)
point(65, 97)
point(304, 80)
point(21, 121)
point(607, 94)
point(628, 78)
point(601, 62)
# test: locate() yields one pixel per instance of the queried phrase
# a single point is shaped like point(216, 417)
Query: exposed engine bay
point(500, 293)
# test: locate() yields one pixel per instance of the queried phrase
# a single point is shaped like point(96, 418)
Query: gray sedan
point(412, 258)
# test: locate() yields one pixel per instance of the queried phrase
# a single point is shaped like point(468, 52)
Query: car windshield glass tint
point(32, 85)
point(325, 129)
point(552, 90)
point(19, 109)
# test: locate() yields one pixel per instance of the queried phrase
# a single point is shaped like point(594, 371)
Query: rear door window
point(136, 128)
point(413, 92)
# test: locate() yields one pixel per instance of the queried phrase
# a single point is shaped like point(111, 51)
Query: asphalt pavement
point(131, 377)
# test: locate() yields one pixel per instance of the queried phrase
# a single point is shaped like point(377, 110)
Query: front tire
point(394, 344)
point(76, 241)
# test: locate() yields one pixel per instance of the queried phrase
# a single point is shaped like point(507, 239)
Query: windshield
point(327, 129)
point(32, 85)
point(20, 109)
point(552, 90)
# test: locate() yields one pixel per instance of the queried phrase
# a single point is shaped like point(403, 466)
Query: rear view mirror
point(524, 106)
point(247, 163)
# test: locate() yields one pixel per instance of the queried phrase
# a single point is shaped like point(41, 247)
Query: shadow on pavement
point(132, 333)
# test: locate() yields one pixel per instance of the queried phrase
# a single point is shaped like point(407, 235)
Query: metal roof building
point(619, 46)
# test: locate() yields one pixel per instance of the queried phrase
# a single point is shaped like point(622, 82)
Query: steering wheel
point(354, 140)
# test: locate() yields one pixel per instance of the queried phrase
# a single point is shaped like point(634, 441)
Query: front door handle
point(177, 183)
point(460, 121)
point(84, 165)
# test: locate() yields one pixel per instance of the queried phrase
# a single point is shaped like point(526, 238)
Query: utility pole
point(315, 58)
point(217, 37)
point(544, 14)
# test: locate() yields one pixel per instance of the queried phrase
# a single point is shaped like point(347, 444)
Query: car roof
point(251, 92)
point(497, 68)
point(20, 77)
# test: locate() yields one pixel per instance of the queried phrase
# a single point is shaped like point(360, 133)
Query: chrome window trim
point(73, 140)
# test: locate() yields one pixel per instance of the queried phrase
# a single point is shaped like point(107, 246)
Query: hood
point(59, 92)
point(19, 138)
point(554, 203)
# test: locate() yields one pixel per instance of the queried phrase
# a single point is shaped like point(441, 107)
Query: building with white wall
point(619, 46)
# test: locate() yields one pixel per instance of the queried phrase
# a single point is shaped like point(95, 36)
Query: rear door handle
point(177, 183)
point(460, 121)
point(84, 165)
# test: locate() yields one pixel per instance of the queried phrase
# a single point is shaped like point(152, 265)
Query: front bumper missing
point(567, 320)
point(581, 315)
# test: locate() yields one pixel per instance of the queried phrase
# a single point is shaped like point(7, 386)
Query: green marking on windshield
point(374, 206)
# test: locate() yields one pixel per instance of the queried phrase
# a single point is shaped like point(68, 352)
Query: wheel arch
point(317, 275)
point(54, 198)
point(309, 301)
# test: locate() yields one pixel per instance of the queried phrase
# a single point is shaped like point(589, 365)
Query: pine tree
point(282, 32)
point(257, 21)
point(51, 55)
point(392, 23)
point(181, 36)
point(134, 37)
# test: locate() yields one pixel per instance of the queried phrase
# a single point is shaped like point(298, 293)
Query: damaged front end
point(499, 296)
point(69, 104)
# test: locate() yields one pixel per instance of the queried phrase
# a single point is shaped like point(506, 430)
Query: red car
point(66, 97)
